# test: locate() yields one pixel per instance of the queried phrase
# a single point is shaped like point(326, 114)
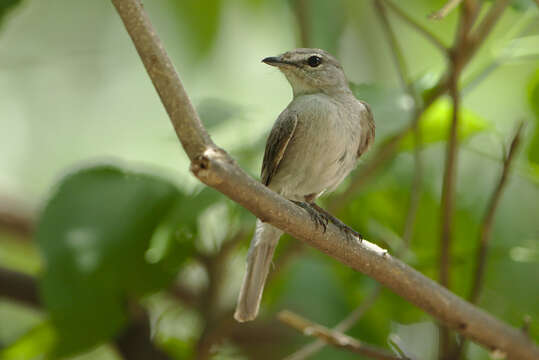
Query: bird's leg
point(342, 226)
point(318, 218)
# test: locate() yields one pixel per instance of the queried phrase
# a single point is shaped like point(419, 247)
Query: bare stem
point(301, 9)
point(486, 226)
point(446, 9)
point(343, 326)
point(417, 26)
point(333, 337)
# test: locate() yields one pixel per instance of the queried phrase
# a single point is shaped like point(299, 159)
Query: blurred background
point(110, 248)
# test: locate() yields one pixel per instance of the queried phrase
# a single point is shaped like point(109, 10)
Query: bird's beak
point(273, 61)
point(277, 61)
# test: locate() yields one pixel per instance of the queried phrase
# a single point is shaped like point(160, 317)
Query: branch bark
point(312, 348)
point(215, 168)
point(334, 338)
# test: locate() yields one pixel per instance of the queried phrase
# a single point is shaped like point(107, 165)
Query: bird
point(314, 144)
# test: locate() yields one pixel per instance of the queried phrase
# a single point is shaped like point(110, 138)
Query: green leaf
point(391, 107)
point(94, 234)
point(34, 343)
point(436, 121)
point(522, 5)
point(214, 112)
point(533, 98)
point(6, 6)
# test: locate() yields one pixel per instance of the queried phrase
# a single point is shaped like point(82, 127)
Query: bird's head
point(310, 71)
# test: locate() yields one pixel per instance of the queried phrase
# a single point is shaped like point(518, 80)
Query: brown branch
point(448, 189)
point(465, 46)
point(476, 38)
point(486, 229)
point(333, 337)
point(486, 226)
point(215, 168)
point(312, 348)
point(301, 10)
point(446, 9)
point(135, 341)
point(447, 210)
point(19, 287)
point(16, 223)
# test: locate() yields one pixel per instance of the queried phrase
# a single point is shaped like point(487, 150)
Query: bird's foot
point(342, 226)
point(319, 218)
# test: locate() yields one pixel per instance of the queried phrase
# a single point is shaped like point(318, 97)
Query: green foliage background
point(87, 150)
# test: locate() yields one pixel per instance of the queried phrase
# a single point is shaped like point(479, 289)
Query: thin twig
point(215, 168)
point(209, 301)
point(398, 57)
point(417, 26)
point(446, 9)
point(486, 226)
point(301, 10)
point(478, 36)
point(334, 338)
point(18, 223)
point(343, 326)
point(466, 44)
point(19, 287)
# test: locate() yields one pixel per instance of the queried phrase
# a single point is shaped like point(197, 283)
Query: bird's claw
point(319, 219)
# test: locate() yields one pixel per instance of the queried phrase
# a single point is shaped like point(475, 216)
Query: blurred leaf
point(6, 6)
point(522, 5)
point(391, 107)
point(533, 97)
point(36, 342)
point(436, 121)
point(523, 47)
point(94, 234)
point(416, 341)
point(201, 18)
point(214, 112)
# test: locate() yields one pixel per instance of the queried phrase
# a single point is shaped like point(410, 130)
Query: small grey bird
point(314, 144)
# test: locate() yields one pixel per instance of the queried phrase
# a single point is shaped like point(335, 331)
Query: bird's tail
point(258, 263)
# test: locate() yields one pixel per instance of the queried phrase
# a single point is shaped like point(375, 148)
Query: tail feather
point(258, 263)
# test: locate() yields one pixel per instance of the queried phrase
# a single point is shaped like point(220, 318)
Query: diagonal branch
point(486, 226)
point(333, 337)
point(446, 9)
point(343, 326)
point(215, 168)
point(417, 26)
point(485, 230)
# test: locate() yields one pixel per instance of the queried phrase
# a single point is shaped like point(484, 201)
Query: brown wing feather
point(280, 136)
point(367, 123)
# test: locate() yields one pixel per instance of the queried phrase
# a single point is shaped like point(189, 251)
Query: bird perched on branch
point(314, 144)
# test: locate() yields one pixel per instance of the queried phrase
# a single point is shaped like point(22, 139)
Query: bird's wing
point(368, 127)
point(278, 140)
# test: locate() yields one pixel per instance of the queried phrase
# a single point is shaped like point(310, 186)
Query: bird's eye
point(314, 61)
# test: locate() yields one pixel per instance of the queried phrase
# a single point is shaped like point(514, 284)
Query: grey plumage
point(312, 147)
